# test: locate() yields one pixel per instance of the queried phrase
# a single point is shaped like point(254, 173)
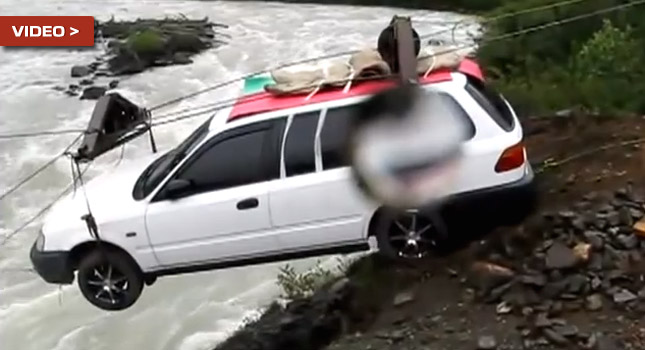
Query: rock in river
point(181, 58)
point(80, 71)
point(93, 93)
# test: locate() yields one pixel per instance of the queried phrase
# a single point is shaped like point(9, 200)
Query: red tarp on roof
point(266, 102)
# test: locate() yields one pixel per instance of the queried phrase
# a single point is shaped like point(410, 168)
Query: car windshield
point(160, 168)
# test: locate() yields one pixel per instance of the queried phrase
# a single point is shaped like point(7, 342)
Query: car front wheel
point(110, 279)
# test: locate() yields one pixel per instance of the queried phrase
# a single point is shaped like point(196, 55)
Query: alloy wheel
point(411, 235)
point(108, 284)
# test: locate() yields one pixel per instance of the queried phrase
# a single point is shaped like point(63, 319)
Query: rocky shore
point(570, 277)
point(134, 46)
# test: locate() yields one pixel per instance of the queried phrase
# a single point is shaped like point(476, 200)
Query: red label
point(46, 31)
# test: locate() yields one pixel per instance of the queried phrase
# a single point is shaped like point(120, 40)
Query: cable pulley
point(115, 121)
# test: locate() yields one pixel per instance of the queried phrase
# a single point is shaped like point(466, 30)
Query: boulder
point(94, 65)
point(93, 92)
point(628, 241)
point(594, 302)
point(186, 42)
point(595, 238)
point(181, 58)
point(559, 256)
point(623, 296)
point(102, 73)
point(486, 276)
point(639, 228)
point(487, 342)
point(126, 62)
point(80, 71)
point(403, 298)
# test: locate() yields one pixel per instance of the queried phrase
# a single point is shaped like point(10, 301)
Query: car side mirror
point(177, 188)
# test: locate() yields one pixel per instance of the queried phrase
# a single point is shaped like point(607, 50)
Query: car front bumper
point(53, 267)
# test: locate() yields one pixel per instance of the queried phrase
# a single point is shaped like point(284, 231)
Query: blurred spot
point(405, 146)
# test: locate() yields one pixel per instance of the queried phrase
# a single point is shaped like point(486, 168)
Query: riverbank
point(571, 275)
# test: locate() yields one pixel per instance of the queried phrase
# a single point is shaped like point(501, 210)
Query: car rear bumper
point(503, 205)
point(53, 267)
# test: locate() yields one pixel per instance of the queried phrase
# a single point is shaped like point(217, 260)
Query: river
point(188, 312)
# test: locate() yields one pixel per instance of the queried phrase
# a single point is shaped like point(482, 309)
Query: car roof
point(256, 104)
point(262, 102)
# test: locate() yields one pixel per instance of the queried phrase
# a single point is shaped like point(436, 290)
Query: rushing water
point(183, 312)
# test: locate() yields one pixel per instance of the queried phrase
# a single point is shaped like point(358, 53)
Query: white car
point(266, 180)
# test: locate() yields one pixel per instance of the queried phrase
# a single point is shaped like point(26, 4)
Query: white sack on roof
point(365, 64)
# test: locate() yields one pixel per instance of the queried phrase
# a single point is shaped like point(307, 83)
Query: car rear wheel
point(110, 279)
point(408, 235)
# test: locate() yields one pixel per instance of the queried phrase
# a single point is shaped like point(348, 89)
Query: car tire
point(110, 279)
point(408, 235)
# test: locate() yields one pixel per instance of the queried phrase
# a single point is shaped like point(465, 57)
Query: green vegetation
point(148, 42)
point(591, 64)
point(142, 43)
point(594, 64)
point(296, 285)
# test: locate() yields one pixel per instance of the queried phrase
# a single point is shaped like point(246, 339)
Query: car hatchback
point(267, 180)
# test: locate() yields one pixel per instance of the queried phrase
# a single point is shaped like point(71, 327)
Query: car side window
point(492, 102)
point(299, 151)
point(334, 136)
point(241, 156)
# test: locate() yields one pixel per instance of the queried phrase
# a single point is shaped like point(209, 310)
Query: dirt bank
point(531, 301)
point(571, 276)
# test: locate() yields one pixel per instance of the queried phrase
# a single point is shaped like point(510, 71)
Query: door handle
point(248, 203)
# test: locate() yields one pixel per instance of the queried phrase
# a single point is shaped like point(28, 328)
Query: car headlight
point(40, 241)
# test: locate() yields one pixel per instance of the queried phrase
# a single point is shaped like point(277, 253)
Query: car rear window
point(461, 114)
point(492, 102)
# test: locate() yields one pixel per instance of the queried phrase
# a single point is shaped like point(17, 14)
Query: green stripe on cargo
point(257, 83)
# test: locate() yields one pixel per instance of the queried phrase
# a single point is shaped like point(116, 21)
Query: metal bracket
point(115, 121)
point(91, 226)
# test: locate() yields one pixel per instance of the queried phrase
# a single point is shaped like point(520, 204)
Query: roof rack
point(398, 56)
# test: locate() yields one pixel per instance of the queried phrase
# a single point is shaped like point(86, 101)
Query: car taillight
point(511, 158)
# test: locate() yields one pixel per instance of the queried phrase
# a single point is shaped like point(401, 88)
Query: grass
point(148, 42)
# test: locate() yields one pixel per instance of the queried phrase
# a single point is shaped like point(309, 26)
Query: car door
point(315, 204)
point(224, 214)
